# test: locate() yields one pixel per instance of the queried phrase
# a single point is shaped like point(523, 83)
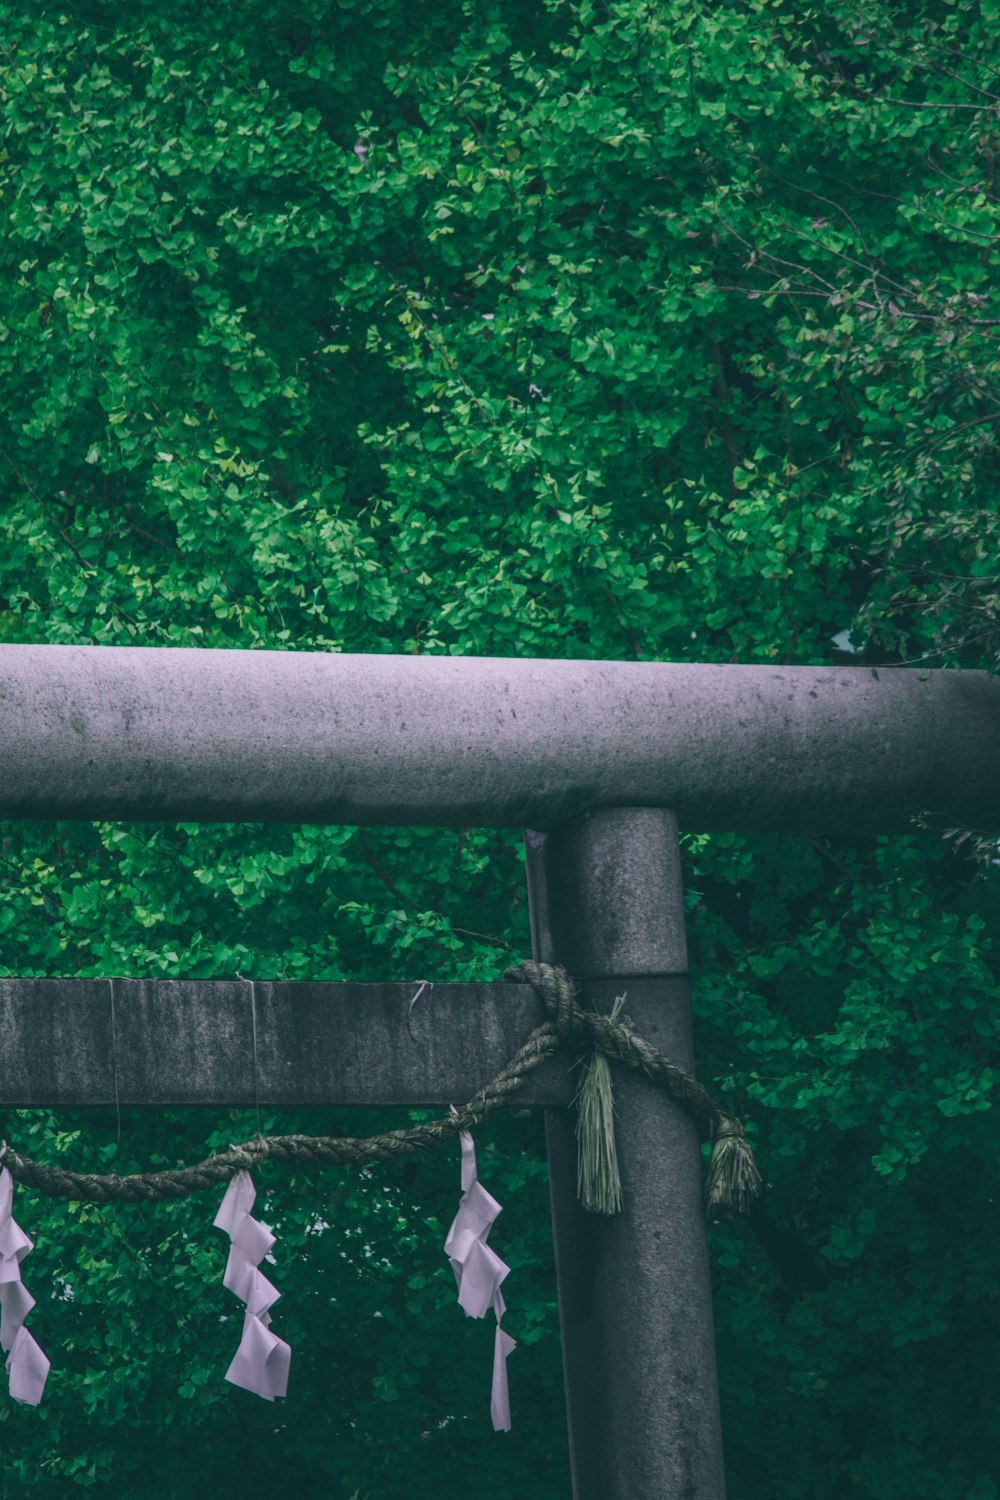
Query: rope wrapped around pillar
point(732, 1180)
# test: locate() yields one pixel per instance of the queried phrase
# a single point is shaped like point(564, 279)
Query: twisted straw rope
point(566, 1021)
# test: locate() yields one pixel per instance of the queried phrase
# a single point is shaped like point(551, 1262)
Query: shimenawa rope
point(732, 1180)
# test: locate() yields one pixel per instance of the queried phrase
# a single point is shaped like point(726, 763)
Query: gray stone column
point(634, 1295)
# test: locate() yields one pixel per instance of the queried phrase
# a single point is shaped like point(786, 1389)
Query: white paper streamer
point(479, 1272)
point(27, 1366)
point(262, 1361)
point(500, 1398)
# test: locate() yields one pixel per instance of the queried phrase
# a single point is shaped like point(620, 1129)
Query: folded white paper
point(500, 1400)
point(27, 1366)
point(262, 1361)
point(479, 1272)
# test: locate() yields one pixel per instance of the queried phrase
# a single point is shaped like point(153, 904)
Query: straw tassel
point(732, 1181)
point(598, 1183)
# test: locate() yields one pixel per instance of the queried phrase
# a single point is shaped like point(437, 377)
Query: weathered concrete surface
point(164, 733)
point(190, 1042)
point(634, 1294)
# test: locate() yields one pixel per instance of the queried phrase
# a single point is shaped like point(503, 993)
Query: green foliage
point(850, 989)
point(626, 330)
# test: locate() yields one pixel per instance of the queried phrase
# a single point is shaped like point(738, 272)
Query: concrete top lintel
point(160, 733)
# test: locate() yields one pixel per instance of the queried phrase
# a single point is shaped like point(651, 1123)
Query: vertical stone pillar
point(634, 1296)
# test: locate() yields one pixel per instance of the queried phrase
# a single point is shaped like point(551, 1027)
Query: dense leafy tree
point(631, 330)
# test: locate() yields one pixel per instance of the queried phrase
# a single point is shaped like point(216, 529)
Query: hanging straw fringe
point(598, 1183)
point(732, 1181)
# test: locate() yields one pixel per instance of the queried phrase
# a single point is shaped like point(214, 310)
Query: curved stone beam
point(151, 733)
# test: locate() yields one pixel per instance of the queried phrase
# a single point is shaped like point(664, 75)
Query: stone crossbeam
point(150, 733)
point(190, 1042)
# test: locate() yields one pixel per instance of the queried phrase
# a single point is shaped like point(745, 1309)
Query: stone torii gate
point(599, 762)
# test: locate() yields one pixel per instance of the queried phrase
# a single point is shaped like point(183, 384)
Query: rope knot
point(558, 995)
